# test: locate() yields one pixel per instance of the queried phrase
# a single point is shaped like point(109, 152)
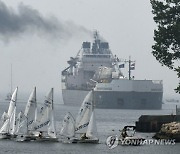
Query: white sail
point(68, 126)
point(31, 109)
point(9, 124)
point(12, 103)
point(25, 120)
point(51, 129)
point(4, 118)
point(5, 127)
point(83, 117)
point(92, 129)
point(21, 126)
point(44, 117)
point(12, 125)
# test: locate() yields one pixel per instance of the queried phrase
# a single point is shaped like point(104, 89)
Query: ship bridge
point(96, 56)
point(92, 62)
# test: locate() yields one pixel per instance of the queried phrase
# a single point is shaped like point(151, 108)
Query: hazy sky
point(38, 37)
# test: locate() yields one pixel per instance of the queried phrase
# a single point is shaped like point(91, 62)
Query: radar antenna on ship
point(96, 35)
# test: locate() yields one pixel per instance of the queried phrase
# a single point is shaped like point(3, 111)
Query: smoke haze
point(28, 20)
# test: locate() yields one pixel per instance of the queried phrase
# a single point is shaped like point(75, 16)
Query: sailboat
point(83, 129)
point(8, 128)
point(25, 120)
point(68, 128)
point(44, 125)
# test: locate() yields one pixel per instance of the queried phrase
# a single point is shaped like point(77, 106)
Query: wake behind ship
point(96, 66)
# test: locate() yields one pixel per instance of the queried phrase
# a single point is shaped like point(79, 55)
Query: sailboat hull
point(77, 140)
point(25, 138)
point(95, 141)
point(47, 139)
point(7, 136)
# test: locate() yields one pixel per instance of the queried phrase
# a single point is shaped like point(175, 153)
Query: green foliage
point(167, 35)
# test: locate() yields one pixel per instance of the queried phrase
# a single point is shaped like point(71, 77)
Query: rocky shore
point(169, 131)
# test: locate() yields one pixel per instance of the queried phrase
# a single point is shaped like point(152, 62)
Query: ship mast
point(130, 66)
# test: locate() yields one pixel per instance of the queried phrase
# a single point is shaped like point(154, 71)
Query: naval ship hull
point(120, 94)
point(128, 100)
point(115, 100)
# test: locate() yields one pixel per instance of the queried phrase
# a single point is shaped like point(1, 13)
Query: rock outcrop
point(169, 131)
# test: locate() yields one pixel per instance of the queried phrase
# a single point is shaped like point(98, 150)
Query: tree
point(167, 35)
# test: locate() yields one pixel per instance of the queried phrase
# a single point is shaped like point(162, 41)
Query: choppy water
point(107, 120)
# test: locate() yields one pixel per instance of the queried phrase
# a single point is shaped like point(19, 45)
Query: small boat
point(89, 135)
point(26, 119)
point(83, 129)
point(7, 130)
point(44, 124)
point(68, 128)
point(128, 137)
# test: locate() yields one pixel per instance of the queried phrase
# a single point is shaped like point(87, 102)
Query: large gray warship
point(96, 66)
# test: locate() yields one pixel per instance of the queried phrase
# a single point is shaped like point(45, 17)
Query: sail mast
point(93, 104)
point(11, 79)
point(52, 98)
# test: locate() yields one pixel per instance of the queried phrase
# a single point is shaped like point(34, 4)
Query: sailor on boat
point(83, 137)
point(124, 133)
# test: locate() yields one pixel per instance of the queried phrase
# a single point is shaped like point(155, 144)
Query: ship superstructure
point(95, 65)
